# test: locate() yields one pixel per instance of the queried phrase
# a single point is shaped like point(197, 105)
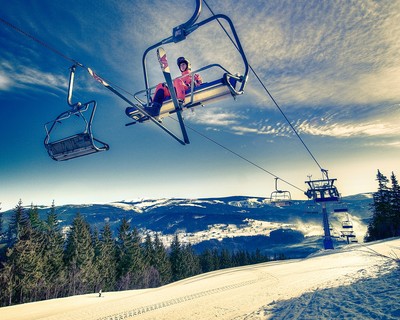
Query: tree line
point(385, 221)
point(38, 261)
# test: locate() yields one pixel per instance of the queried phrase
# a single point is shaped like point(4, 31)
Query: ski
point(162, 59)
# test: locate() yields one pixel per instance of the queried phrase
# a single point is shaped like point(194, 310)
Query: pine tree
point(395, 206)
point(33, 216)
point(7, 282)
point(225, 259)
point(379, 226)
point(216, 259)
point(191, 262)
point(137, 268)
point(2, 240)
point(26, 261)
point(176, 258)
point(184, 262)
point(130, 265)
point(161, 261)
point(106, 260)
point(148, 252)
point(18, 219)
point(1, 226)
point(207, 261)
point(53, 256)
point(79, 257)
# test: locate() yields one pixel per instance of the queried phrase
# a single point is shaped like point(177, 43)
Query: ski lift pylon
point(76, 145)
point(322, 190)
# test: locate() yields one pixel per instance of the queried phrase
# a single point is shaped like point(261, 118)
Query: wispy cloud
point(5, 82)
point(23, 76)
point(372, 128)
point(325, 52)
point(214, 117)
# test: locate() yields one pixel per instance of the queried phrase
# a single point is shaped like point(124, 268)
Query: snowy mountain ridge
point(235, 223)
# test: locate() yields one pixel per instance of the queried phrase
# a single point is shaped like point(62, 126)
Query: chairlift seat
point(347, 225)
point(326, 199)
point(75, 146)
point(207, 92)
point(340, 210)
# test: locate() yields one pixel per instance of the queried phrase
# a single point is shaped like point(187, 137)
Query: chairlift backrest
point(75, 146)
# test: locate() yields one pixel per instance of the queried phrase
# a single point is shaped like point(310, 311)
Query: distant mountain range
point(234, 223)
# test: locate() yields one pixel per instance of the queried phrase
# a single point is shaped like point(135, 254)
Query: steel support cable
point(45, 45)
point(39, 42)
point(59, 53)
point(269, 94)
point(240, 156)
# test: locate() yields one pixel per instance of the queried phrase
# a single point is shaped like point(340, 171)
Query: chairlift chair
point(228, 84)
point(340, 207)
point(280, 197)
point(76, 145)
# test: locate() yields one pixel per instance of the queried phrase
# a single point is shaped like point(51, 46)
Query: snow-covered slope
point(355, 282)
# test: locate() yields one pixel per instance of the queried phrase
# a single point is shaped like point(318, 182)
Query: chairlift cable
point(59, 53)
point(240, 156)
point(267, 91)
point(39, 41)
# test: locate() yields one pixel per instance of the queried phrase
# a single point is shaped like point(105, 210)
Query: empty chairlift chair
point(78, 144)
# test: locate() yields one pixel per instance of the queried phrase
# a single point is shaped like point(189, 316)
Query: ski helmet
point(184, 60)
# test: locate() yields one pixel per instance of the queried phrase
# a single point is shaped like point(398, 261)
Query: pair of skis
point(162, 59)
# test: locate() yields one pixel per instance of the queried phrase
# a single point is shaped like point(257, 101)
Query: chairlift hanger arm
point(71, 87)
point(180, 31)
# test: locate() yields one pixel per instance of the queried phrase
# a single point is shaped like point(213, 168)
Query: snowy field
point(355, 282)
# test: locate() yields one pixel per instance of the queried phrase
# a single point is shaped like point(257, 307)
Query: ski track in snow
point(357, 282)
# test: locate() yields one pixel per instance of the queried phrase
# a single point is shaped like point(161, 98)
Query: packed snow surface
point(356, 282)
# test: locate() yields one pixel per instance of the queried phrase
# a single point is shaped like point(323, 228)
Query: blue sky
point(332, 66)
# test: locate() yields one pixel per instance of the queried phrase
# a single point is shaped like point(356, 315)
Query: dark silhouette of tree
point(105, 260)
point(385, 210)
point(79, 257)
point(26, 259)
point(130, 264)
point(17, 221)
point(54, 272)
point(207, 261)
point(395, 206)
point(161, 261)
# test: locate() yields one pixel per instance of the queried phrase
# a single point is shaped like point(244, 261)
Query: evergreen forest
point(39, 261)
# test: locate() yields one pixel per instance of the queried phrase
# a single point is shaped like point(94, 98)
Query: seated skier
point(181, 84)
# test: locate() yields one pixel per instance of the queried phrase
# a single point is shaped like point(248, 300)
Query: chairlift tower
point(323, 191)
